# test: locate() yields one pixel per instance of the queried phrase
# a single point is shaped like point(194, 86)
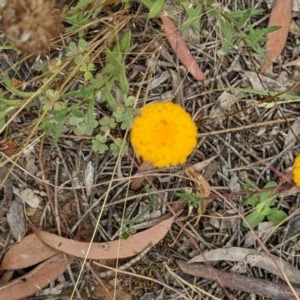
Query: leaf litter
point(268, 262)
point(117, 249)
point(229, 150)
point(28, 252)
point(35, 280)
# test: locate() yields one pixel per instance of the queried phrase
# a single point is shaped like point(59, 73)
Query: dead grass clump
point(31, 24)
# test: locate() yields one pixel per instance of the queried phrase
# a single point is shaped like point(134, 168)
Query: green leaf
point(242, 13)
point(82, 44)
point(73, 50)
point(111, 101)
point(252, 194)
point(11, 102)
point(116, 149)
point(101, 138)
point(193, 16)
point(4, 112)
point(9, 85)
point(90, 118)
point(191, 199)
point(99, 147)
point(252, 200)
point(88, 76)
point(57, 132)
point(75, 121)
point(125, 42)
point(154, 6)
point(276, 216)
point(147, 3)
point(129, 101)
point(227, 31)
point(253, 219)
point(124, 85)
point(266, 211)
point(107, 123)
point(268, 195)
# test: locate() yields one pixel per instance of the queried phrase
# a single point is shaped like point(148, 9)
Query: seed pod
point(32, 24)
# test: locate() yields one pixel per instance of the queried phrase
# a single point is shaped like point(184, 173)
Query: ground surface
point(247, 133)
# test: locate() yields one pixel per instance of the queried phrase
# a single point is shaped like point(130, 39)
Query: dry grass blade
point(110, 250)
point(30, 251)
point(34, 281)
point(280, 16)
point(181, 50)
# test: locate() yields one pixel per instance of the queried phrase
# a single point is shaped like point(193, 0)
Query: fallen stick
point(266, 288)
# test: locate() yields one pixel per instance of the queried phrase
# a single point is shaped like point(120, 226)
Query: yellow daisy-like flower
point(296, 170)
point(164, 134)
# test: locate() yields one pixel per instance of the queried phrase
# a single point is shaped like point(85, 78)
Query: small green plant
point(262, 202)
point(230, 24)
point(129, 225)
point(75, 109)
point(154, 6)
point(82, 13)
point(191, 199)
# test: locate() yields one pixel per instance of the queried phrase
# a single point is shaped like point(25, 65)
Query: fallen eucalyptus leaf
point(110, 250)
point(268, 262)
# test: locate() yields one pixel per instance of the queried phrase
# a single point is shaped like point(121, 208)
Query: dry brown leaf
point(291, 138)
point(34, 281)
point(110, 250)
point(295, 63)
point(137, 182)
point(180, 48)
point(30, 251)
point(262, 82)
point(294, 28)
point(16, 219)
point(202, 187)
point(281, 15)
point(268, 262)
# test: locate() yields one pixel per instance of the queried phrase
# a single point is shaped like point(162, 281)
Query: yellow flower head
point(164, 134)
point(296, 170)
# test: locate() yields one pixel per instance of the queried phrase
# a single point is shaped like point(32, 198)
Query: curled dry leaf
point(30, 251)
point(180, 48)
point(268, 262)
point(281, 15)
point(32, 282)
point(202, 187)
point(110, 250)
point(295, 63)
